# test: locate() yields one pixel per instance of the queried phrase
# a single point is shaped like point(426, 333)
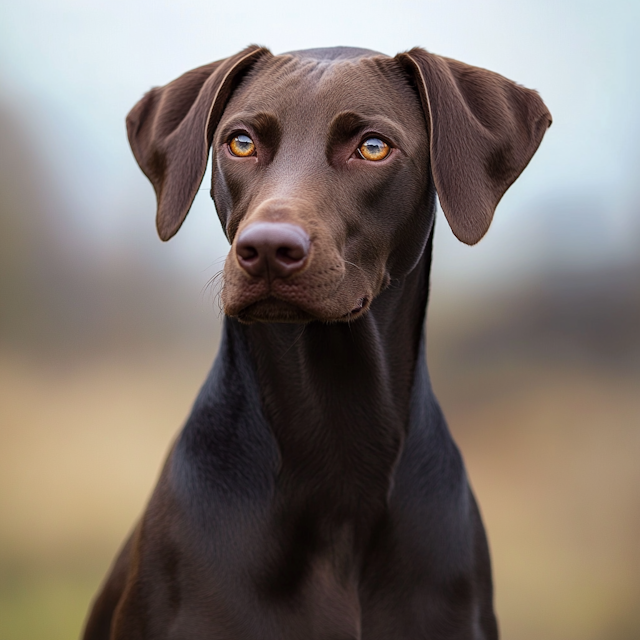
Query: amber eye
point(374, 149)
point(242, 146)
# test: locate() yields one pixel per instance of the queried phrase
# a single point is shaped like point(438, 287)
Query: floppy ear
point(483, 131)
point(171, 129)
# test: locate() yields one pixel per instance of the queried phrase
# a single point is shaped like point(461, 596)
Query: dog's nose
point(272, 249)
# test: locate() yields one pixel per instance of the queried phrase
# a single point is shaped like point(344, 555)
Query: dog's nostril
point(247, 252)
point(289, 255)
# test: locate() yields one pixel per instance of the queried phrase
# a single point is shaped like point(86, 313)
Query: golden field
point(552, 448)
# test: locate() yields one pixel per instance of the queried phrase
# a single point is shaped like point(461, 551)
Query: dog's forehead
point(317, 84)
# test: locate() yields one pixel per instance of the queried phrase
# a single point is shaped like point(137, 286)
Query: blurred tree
point(57, 299)
point(24, 247)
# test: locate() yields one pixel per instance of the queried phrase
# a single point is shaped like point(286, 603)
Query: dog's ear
point(483, 131)
point(171, 129)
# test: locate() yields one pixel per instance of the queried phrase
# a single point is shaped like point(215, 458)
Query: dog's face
point(336, 149)
point(326, 164)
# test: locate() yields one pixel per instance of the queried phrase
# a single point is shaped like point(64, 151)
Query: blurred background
point(106, 333)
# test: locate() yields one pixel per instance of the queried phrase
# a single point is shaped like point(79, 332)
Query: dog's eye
point(374, 149)
point(242, 146)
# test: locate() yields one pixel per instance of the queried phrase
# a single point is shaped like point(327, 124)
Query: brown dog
point(315, 491)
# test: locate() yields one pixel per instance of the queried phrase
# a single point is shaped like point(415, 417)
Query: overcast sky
point(72, 69)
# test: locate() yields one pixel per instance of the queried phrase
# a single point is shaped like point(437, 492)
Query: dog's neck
point(337, 396)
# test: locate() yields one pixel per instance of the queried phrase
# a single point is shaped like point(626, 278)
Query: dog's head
point(326, 163)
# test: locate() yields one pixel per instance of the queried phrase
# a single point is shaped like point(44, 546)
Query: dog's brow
point(263, 124)
point(348, 124)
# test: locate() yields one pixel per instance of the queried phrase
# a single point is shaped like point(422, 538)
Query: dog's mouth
point(361, 307)
point(272, 309)
point(323, 292)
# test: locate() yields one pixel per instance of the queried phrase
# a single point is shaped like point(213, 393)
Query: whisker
point(353, 264)
point(216, 262)
point(214, 286)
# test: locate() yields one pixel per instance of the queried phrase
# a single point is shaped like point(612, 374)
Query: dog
point(315, 491)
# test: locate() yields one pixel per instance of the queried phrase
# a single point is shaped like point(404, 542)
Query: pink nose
point(272, 249)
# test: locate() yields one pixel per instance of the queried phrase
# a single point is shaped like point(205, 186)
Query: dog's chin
point(275, 310)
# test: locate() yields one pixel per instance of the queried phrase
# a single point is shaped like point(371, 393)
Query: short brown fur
point(315, 490)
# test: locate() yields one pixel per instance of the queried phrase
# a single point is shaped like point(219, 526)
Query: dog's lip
point(300, 298)
point(273, 308)
point(360, 307)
